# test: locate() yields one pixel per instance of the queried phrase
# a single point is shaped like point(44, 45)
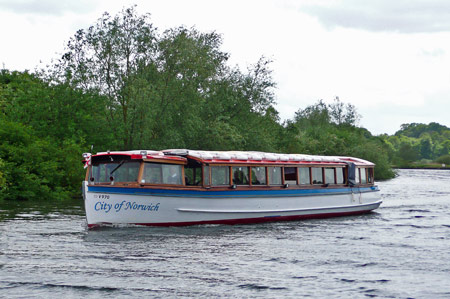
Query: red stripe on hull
point(246, 220)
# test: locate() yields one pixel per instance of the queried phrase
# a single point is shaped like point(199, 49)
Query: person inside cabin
point(258, 175)
point(255, 179)
point(240, 175)
point(173, 177)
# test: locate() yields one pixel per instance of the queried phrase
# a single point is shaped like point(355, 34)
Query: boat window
point(172, 174)
point(303, 173)
point(370, 173)
point(363, 177)
point(240, 175)
point(220, 175)
point(100, 172)
point(317, 175)
point(152, 174)
point(340, 175)
point(155, 173)
point(290, 175)
point(259, 176)
point(120, 172)
point(274, 175)
point(193, 175)
point(206, 175)
point(329, 175)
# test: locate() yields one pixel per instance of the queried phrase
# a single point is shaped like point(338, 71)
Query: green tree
point(443, 148)
point(331, 130)
point(2, 175)
point(123, 85)
point(168, 90)
point(45, 128)
point(341, 114)
point(30, 168)
point(420, 141)
point(105, 58)
point(426, 148)
point(407, 152)
point(445, 159)
point(416, 129)
point(54, 110)
point(188, 67)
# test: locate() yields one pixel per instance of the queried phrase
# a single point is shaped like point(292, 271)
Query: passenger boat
point(188, 187)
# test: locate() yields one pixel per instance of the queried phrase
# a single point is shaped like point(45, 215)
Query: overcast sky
point(391, 59)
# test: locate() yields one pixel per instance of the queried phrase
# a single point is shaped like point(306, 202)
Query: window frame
point(344, 175)
point(142, 173)
point(321, 172)
point(228, 167)
point(233, 169)
point(325, 168)
point(265, 175)
point(363, 170)
point(371, 175)
point(197, 172)
point(295, 182)
point(269, 183)
point(308, 168)
point(107, 173)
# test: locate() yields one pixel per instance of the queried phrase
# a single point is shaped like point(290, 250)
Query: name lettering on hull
point(101, 206)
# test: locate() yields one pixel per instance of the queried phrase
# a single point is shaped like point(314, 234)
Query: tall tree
point(341, 113)
point(187, 66)
point(167, 90)
point(106, 58)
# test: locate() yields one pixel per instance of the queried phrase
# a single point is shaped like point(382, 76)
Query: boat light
point(86, 155)
point(144, 154)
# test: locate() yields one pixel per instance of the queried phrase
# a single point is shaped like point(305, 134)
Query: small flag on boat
point(87, 160)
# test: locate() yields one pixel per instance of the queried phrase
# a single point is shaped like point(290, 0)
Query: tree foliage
point(419, 142)
point(332, 130)
point(107, 58)
point(122, 84)
point(34, 168)
point(156, 84)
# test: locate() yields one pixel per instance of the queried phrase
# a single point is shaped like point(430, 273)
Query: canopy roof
point(233, 157)
point(260, 157)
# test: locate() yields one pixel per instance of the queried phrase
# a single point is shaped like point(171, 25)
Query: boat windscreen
point(120, 171)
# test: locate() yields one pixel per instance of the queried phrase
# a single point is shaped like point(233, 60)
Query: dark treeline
point(121, 84)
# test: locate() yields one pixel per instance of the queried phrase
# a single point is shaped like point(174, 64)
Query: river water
point(400, 251)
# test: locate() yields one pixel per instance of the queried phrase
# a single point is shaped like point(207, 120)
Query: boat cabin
point(224, 170)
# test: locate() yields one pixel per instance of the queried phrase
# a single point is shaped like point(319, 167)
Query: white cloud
point(47, 7)
point(406, 16)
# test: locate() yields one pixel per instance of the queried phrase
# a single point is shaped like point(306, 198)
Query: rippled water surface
point(400, 251)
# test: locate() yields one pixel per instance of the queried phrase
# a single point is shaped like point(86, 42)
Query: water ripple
point(400, 251)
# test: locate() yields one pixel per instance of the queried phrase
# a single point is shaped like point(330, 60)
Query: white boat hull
point(159, 207)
